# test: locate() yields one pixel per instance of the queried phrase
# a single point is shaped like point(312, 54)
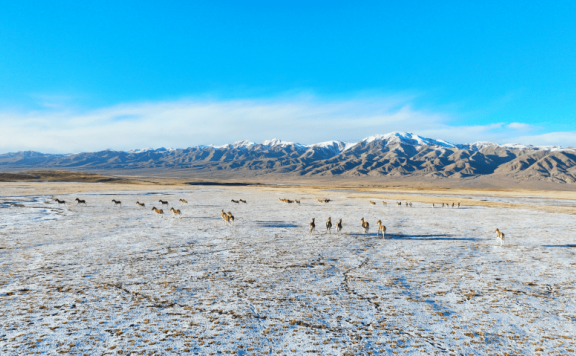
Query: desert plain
point(105, 279)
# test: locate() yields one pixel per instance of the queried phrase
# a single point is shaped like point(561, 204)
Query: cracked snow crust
point(107, 280)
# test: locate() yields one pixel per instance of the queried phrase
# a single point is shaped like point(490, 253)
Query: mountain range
point(397, 154)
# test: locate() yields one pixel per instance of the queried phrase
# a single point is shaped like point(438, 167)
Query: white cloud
point(519, 126)
point(188, 123)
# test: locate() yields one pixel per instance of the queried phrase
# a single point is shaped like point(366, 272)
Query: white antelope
point(329, 226)
point(499, 236)
point(159, 212)
point(365, 226)
point(381, 229)
point(176, 212)
point(312, 226)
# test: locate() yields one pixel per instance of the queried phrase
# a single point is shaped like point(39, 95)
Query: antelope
point(243, 201)
point(433, 205)
point(164, 202)
point(499, 236)
point(80, 201)
point(176, 212)
point(141, 204)
point(230, 218)
point(384, 203)
point(372, 202)
point(399, 203)
point(410, 204)
point(381, 229)
point(442, 204)
point(365, 226)
point(224, 216)
point(320, 201)
point(327, 200)
point(312, 226)
point(183, 201)
point(297, 201)
point(235, 201)
point(282, 200)
point(117, 202)
point(289, 201)
point(159, 212)
point(452, 205)
point(339, 226)
point(458, 205)
point(60, 201)
point(329, 226)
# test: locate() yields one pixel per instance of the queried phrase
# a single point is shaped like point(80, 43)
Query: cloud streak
point(187, 123)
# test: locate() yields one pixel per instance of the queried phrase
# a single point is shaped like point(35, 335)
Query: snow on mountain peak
point(408, 138)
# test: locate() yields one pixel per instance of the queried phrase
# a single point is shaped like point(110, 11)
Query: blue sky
point(462, 71)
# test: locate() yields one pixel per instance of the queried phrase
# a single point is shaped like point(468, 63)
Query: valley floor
point(100, 279)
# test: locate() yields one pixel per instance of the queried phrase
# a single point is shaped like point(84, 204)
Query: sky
point(85, 76)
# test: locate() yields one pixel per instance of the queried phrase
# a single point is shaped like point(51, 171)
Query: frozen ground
point(102, 279)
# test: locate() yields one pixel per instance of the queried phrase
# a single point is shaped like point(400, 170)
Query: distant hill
point(396, 154)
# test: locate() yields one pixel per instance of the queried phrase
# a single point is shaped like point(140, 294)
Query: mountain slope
point(396, 154)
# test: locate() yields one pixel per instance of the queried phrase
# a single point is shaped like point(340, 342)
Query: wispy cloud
point(187, 123)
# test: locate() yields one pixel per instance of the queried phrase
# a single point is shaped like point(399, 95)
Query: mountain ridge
point(396, 154)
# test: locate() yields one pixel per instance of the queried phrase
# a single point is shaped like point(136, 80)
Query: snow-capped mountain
point(393, 154)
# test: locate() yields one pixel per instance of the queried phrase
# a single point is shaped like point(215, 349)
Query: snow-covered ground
point(103, 279)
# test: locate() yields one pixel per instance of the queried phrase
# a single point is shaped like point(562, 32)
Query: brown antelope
point(60, 201)
point(320, 201)
point(410, 204)
point(164, 202)
point(458, 205)
point(176, 212)
point(339, 226)
point(499, 236)
point(365, 226)
point(141, 204)
point(80, 201)
point(283, 199)
point(452, 205)
point(117, 202)
point(372, 202)
point(183, 201)
point(442, 204)
point(224, 215)
point(297, 201)
point(235, 201)
point(159, 212)
point(381, 229)
point(230, 218)
point(242, 201)
point(384, 203)
point(312, 226)
point(399, 203)
point(329, 226)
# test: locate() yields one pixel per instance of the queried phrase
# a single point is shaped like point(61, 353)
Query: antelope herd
point(229, 218)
